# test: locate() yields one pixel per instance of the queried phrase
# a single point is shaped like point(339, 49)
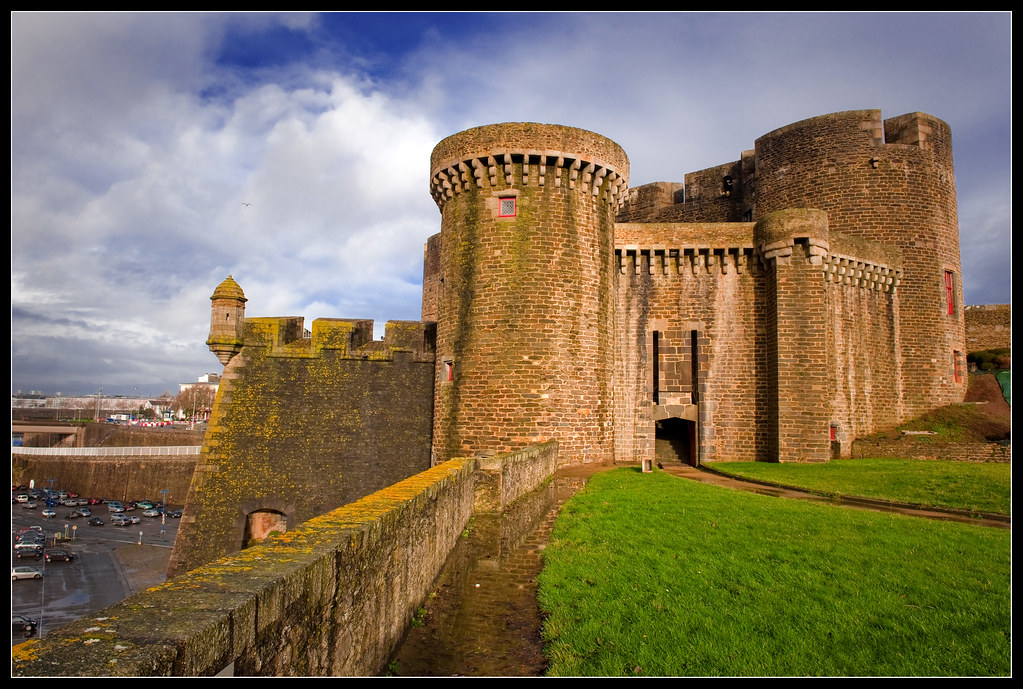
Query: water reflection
point(482, 619)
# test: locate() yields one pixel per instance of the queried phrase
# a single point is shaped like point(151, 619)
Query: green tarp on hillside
point(1005, 380)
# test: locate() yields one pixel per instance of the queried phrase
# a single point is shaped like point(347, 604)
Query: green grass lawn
point(650, 574)
point(959, 485)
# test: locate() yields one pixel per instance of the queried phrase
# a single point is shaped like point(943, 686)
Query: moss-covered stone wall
point(119, 477)
point(333, 597)
point(303, 425)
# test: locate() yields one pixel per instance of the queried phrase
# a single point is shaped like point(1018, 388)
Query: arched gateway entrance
point(675, 441)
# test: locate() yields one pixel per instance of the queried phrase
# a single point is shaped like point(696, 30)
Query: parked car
point(23, 625)
point(28, 549)
point(120, 520)
point(96, 521)
point(59, 556)
point(144, 505)
point(73, 514)
point(25, 573)
point(174, 514)
point(134, 519)
point(28, 505)
point(115, 508)
point(84, 511)
point(21, 498)
point(96, 501)
point(48, 513)
point(151, 513)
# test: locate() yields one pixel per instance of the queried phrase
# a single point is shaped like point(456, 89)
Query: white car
point(25, 573)
point(48, 513)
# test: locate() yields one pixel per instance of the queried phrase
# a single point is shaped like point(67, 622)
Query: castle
point(772, 308)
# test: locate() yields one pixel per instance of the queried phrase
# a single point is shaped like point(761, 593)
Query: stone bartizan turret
point(227, 320)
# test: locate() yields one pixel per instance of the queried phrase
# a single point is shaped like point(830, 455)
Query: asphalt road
point(96, 578)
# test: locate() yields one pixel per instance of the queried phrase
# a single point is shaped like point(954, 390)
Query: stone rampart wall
point(120, 477)
point(333, 597)
point(988, 327)
point(303, 425)
point(926, 448)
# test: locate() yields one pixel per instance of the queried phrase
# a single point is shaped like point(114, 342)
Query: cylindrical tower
point(525, 305)
point(890, 181)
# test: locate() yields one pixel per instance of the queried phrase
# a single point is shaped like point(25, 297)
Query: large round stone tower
point(524, 289)
point(890, 181)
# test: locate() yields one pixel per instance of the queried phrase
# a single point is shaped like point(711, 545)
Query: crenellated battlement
point(697, 261)
point(507, 169)
point(843, 260)
point(349, 338)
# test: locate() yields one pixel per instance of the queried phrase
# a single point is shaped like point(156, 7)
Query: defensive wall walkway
point(333, 597)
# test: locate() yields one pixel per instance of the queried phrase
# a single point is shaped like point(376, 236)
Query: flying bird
point(246, 204)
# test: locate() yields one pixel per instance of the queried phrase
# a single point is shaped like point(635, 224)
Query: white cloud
point(133, 150)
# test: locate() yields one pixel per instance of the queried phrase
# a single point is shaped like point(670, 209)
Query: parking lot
point(108, 563)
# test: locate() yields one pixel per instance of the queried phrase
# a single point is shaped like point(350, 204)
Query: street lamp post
point(163, 511)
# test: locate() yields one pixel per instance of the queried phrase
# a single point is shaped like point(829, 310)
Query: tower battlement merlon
point(348, 338)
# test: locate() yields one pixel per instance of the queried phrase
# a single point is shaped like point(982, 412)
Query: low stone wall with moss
point(924, 447)
point(333, 597)
point(503, 478)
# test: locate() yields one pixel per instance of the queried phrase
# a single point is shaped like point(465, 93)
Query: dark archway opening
point(675, 441)
point(261, 523)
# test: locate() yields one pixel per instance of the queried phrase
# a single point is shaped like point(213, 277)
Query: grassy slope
point(655, 575)
point(959, 485)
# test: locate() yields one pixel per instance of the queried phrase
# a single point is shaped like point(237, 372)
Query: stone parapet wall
point(333, 597)
point(504, 478)
point(925, 448)
point(988, 327)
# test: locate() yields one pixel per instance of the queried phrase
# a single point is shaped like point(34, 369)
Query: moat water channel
point(482, 618)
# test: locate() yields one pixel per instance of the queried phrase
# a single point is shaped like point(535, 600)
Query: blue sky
point(137, 137)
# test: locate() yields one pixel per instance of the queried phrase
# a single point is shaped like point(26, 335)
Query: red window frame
point(500, 206)
point(950, 293)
